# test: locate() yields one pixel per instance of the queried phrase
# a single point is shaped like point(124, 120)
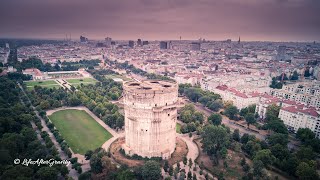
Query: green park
point(80, 130)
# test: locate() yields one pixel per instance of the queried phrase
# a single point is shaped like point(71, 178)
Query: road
point(225, 120)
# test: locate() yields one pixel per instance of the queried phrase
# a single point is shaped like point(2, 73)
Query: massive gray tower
point(150, 118)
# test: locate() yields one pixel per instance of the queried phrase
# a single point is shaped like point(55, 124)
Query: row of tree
point(196, 94)
point(19, 141)
point(131, 69)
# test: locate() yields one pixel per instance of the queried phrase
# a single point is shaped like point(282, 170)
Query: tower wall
point(150, 118)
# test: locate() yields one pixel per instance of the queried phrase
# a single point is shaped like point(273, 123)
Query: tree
point(279, 151)
point(251, 147)
point(49, 173)
point(258, 168)
point(74, 101)
point(231, 111)
point(88, 154)
point(18, 172)
point(64, 170)
point(194, 176)
point(215, 119)
point(182, 176)
point(170, 170)
point(151, 170)
point(72, 88)
point(305, 134)
point(276, 125)
point(190, 163)
point(277, 138)
point(305, 153)
point(186, 116)
point(250, 119)
point(236, 135)
point(215, 105)
point(272, 112)
point(265, 156)
point(198, 117)
point(189, 175)
point(214, 139)
point(166, 166)
point(185, 160)
point(306, 172)
point(95, 163)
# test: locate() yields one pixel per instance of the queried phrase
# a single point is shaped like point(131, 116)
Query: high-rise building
point(150, 118)
point(7, 46)
point(108, 41)
point(113, 43)
point(195, 46)
point(139, 42)
point(83, 39)
point(145, 42)
point(281, 53)
point(163, 45)
point(131, 44)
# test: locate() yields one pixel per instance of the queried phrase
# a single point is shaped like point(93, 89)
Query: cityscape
point(160, 90)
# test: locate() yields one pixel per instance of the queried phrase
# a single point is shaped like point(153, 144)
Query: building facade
point(150, 118)
point(295, 117)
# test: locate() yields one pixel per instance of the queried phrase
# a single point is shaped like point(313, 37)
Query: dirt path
point(193, 153)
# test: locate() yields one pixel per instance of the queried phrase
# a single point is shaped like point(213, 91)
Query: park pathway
point(72, 173)
point(193, 153)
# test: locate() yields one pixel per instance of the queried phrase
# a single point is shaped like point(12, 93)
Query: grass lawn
point(113, 76)
point(83, 80)
point(178, 128)
point(80, 130)
point(46, 84)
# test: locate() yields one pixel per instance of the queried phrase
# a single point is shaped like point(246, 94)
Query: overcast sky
point(273, 20)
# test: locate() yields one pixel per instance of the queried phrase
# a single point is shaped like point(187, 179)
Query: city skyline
point(276, 20)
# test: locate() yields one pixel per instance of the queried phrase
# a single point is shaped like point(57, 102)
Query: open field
point(80, 130)
point(46, 84)
point(81, 80)
point(113, 76)
point(178, 128)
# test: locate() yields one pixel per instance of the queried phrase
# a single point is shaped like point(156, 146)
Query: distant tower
point(180, 38)
point(139, 42)
point(239, 40)
point(131, 44)
point(163, 45)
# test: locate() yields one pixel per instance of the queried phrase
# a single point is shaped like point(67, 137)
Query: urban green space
point(82, 80)
point(114, 76)
point(80, 130)
point(46, 84)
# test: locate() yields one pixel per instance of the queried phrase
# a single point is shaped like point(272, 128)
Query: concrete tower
point(150, 118)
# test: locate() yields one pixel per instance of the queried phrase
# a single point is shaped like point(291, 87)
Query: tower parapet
point(150, 118)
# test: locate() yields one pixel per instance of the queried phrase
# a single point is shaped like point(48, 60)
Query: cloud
point(162, 19)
